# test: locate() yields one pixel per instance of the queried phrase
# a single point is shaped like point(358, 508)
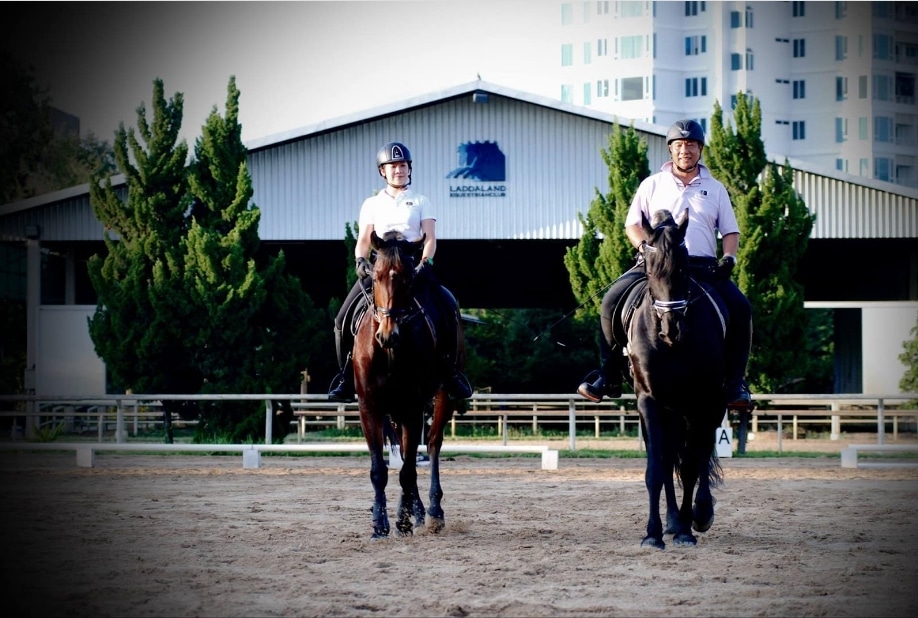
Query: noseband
point(663, 307)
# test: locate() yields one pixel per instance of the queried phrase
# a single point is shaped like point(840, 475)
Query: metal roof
point(309, 182)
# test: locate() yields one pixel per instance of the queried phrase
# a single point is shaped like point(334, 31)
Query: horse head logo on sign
point(480, 161)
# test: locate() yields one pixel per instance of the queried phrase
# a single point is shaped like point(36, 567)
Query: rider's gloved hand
point(364, 268)
point(425, 267)
point(725, 267)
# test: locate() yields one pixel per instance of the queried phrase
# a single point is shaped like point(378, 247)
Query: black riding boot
point(736, 393)
point(607, 381)
point(455, 382)
point(342, 386)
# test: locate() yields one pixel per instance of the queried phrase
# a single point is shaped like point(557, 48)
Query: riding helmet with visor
point(685, 129)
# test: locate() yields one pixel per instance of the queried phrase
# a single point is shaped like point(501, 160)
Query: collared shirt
point(403, 213)
point(706, 199)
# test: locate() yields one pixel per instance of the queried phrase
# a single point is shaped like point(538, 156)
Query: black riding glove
point(724, 267)
point(364, 268)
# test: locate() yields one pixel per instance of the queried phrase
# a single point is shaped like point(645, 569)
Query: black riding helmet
point(393, 152)
point(685, 129)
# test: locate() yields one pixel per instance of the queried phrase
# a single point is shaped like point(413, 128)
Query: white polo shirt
point(403, 213)
point(706, 199)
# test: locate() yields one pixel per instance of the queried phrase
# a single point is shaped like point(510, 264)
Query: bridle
point(663, 307)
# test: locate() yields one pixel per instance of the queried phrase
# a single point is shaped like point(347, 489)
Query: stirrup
point(339, 390)
point(739, 398)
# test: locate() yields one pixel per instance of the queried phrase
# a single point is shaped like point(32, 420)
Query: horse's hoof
point(380, 535)
point(702, 516)
point(685, 539)
point(656, 543)
point(436, 524)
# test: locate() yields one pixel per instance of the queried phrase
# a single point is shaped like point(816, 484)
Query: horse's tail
point(715, 471)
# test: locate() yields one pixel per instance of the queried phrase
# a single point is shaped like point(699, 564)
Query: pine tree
point(251, 325)
point(604, 252)
point(775, 227)
point(137, 328)
point(909, 358)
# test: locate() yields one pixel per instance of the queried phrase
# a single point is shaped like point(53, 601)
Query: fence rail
point(887, 412)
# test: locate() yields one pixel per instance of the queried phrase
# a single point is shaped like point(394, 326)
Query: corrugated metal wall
point(310, 187)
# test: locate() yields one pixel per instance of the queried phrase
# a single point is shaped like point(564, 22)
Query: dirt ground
point(142, 535)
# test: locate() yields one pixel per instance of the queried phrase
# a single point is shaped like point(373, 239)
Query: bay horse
point(397, 380)
point(675, 345)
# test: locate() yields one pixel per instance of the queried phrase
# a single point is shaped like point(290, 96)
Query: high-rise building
point(835, 80)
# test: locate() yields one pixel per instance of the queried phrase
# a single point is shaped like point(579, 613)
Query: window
point(862, 128)
point(799, 89)
point(841, 130)
point(735, 19)
point(841, 47)
point(882, 47)
point(905, 88)
point(799, 128)
point(696, 86)
point(882, 167)
point(799, 48)
point(691, 8)
point(864, 166)
point(567, 93)
point(567, 55)
point(733, 99)
point(602, 47)
point(587, 52)
point(567, 14)
point(882, 88)
point(749, 17)
point(841, 10)
point(602, 8)
point(750, 64)
point(631, 9)
point(799, 9)
point(695, 45)
point(736, 62)
point(782, 81)
point(602, 88)
point(587, 93)
point(883, 129)
point(631, 46)
point(841, 88)
point(632, 88)
point(840, 165)
point(862, 86)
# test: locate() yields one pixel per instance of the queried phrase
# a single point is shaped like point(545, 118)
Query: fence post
point(572, 423)
point(881, 422)
point(268, 424)
point(119, 421)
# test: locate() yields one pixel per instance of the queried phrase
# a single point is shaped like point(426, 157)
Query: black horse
point(675, 344)
point(397, 380)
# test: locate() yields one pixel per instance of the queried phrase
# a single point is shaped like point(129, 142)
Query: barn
point(508, 173)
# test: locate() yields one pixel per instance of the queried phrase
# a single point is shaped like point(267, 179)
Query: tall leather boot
point(455, 382)
point(342, 385)
point(607, 381)
point(737, 346)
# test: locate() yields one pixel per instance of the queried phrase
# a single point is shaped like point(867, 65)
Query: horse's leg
point(709, 474)
point(654, 475)
point(672, 437)
point(379, 472)
point(694, 462)
point(408, 478)
point(441, 414)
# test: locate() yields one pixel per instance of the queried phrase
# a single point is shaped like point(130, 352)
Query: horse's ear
point(375, 242)
point(683, 221)
point(418, 245)
point(646, 225)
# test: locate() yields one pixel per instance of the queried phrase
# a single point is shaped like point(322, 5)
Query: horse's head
point(666, 264)
point(393, 276)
